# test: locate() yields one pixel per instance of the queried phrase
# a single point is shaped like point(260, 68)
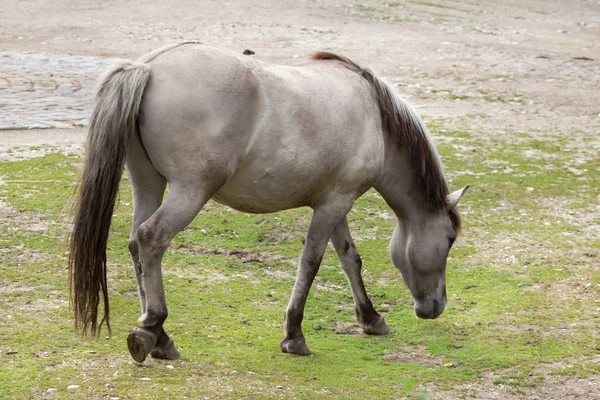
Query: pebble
point(72, 387)
point(51, 390)
point(449, 365)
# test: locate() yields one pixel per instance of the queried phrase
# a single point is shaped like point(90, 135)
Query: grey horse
point(259, 138)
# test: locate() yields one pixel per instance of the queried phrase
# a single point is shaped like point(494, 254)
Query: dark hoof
point(166, 352)
point(294, 346)
point(140, 341)
point(379, 327)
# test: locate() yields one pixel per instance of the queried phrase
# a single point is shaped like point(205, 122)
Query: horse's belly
point(280, 173)
point(264, 192)
point(254, 205)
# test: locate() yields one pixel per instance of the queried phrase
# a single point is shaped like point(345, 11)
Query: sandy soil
point(524, 65)
point(529, 65)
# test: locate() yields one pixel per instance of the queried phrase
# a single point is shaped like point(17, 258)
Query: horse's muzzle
point(430, 308)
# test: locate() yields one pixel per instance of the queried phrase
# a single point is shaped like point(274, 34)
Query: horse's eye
point(451, 240)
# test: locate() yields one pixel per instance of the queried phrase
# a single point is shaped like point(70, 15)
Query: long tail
point(113, 121)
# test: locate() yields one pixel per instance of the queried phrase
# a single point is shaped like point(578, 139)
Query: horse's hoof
point(295, 346)
point(379, 327)
point(140, 341)
point(167, 352)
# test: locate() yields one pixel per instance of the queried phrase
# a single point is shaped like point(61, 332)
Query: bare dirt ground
point(522, 63)
point(505, 66)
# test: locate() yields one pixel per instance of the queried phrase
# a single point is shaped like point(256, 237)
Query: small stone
point(279, 387)
point(170, 367)
point(11, 352)
point(72, 387)
point(51, 390)
point(145, 379)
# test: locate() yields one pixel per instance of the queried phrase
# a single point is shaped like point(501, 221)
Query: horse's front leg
point(325, 218)
point(370, 320)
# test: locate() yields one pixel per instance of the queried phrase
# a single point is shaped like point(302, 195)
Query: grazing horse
point(259, 138)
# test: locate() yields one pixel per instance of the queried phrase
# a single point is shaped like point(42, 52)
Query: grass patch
point(524, 242)
point(430, 4)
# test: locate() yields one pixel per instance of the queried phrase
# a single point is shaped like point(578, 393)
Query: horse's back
point(271, 137)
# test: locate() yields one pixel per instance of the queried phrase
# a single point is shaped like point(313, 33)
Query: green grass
point(430, 4)
point(505, 314)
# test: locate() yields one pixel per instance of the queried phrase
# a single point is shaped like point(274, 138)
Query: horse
point(259, 138)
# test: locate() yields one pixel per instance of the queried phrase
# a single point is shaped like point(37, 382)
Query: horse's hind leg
point(148, 187)
point(146, 201)
point(370, 320)
point(154, 236)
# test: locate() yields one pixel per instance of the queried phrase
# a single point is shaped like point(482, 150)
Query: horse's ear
point(453, 198)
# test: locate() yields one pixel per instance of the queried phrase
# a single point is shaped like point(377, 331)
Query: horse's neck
point(398, 186)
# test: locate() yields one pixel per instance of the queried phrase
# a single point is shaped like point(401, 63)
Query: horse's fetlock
point(293, 322)
point(366, 314)
point(153, 317)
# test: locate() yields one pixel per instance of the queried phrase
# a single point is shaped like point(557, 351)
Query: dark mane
point(410, 135)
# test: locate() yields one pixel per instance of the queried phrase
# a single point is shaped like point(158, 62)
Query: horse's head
point(419, 249)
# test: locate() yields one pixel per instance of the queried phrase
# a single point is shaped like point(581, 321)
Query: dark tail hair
point(113, 120)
